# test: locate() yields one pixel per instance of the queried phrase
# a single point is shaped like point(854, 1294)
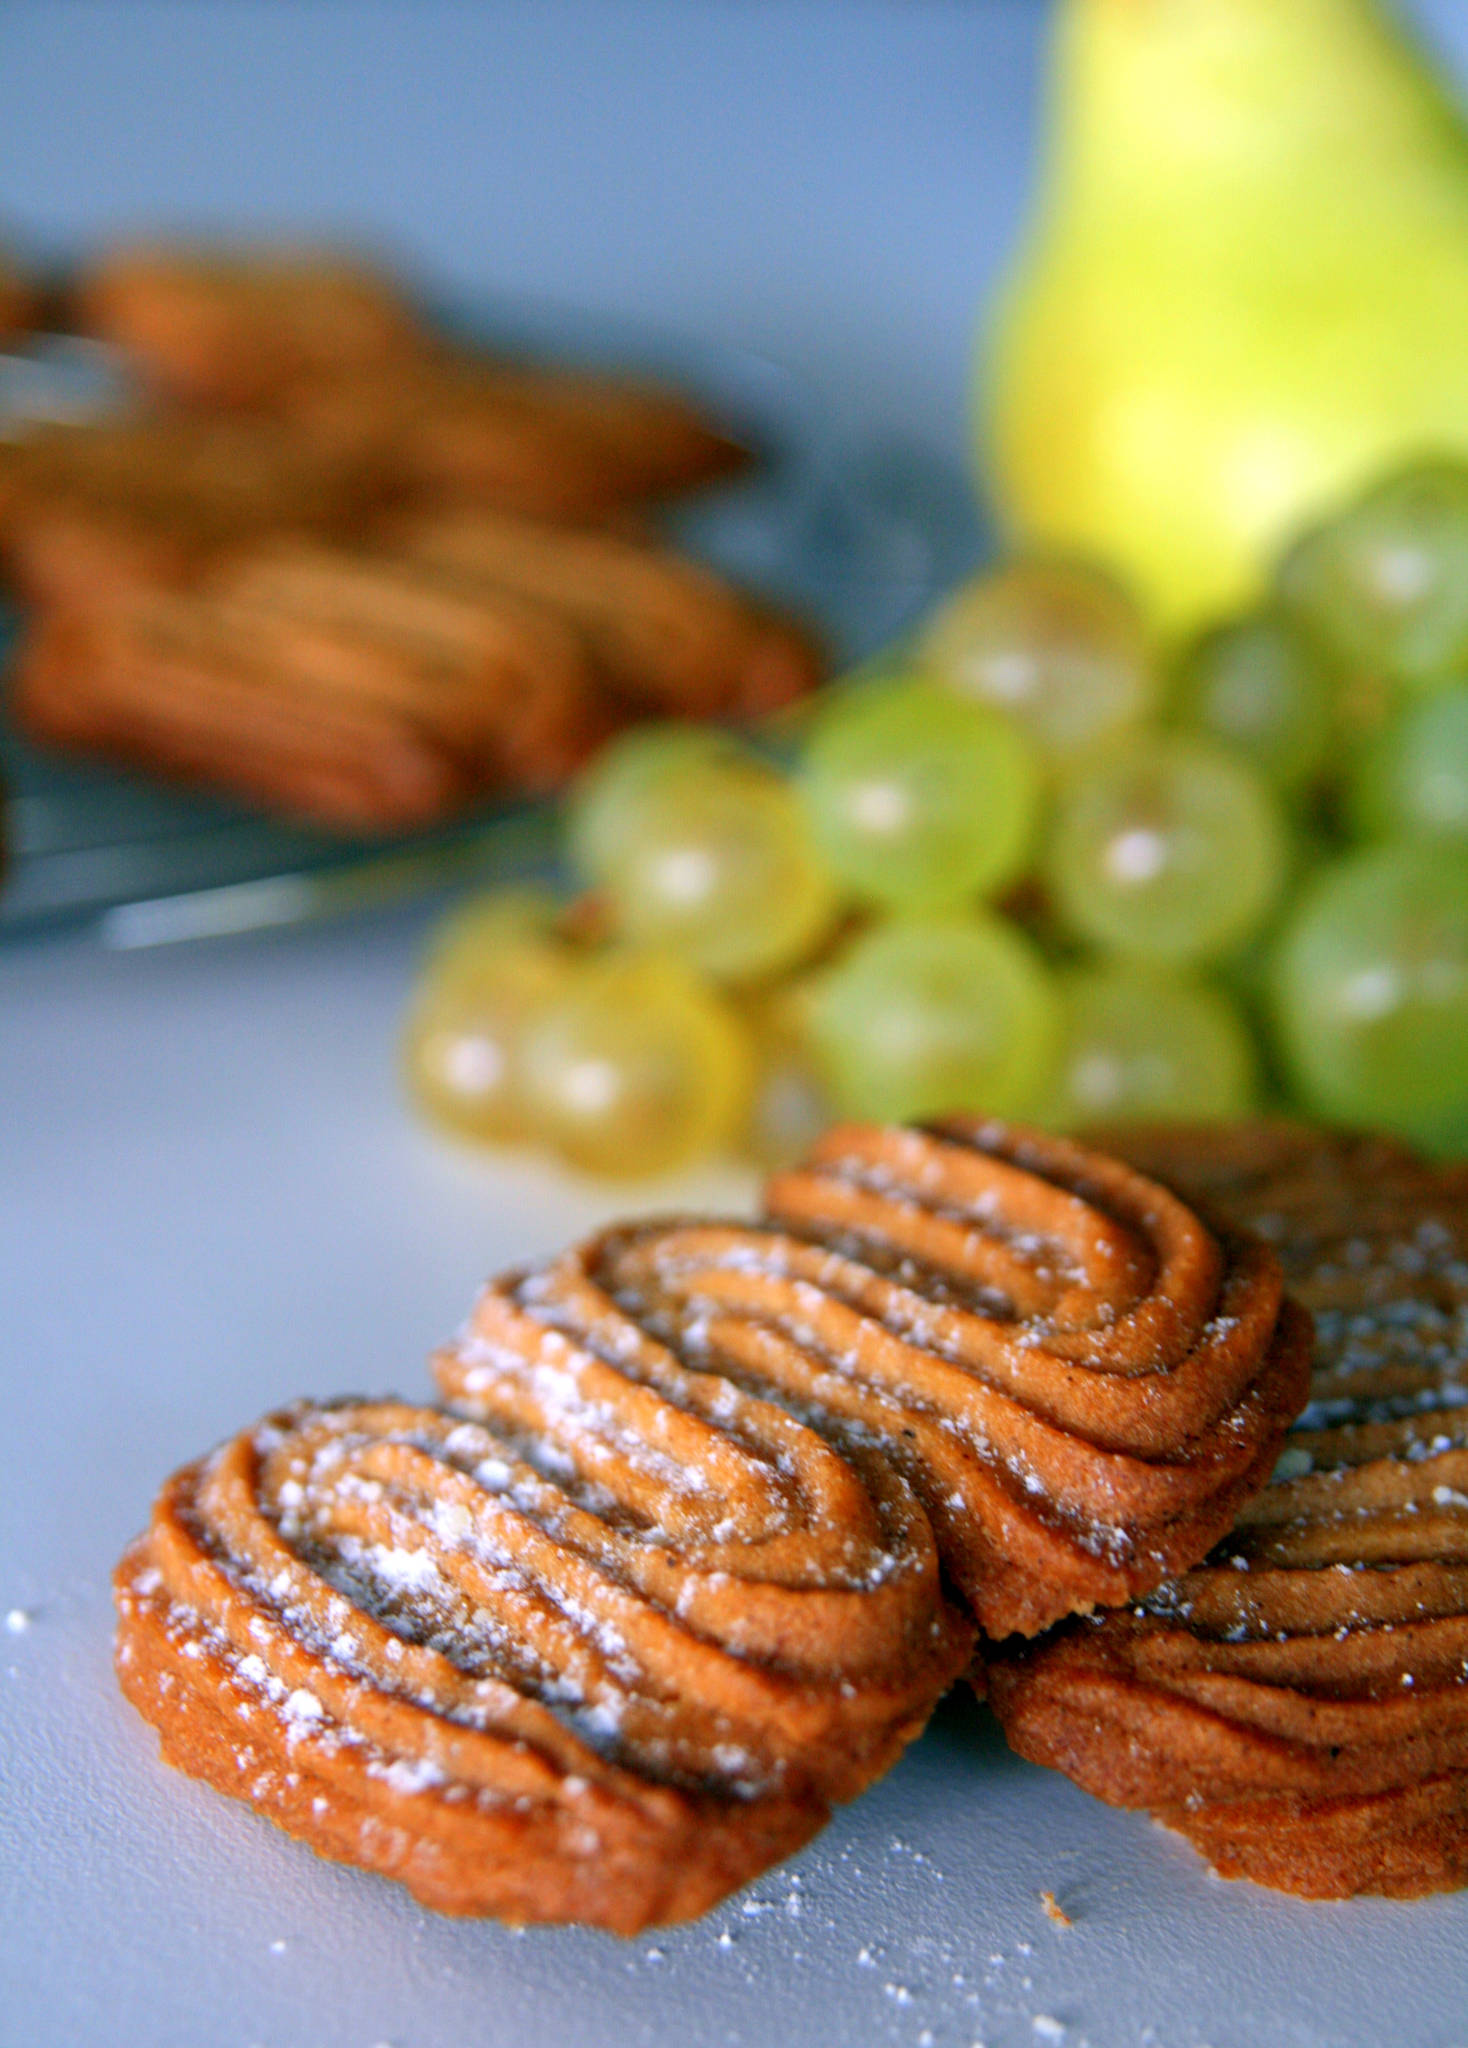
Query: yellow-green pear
point(1245, 292)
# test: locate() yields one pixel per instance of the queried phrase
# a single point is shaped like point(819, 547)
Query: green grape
point(1413, 778)
point(605, 808)
point(917, 799)
point(937, 1014)
point(1172, 850)
point(637, 1067)
point(1057, 645)
point(1259, 684)
point(490, 967)
point(718, 867)
point(1369, 989)
point(1138, 1044)
point(1384, 587)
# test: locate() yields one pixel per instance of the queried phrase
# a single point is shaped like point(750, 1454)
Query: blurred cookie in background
point(667, 634)
point(370, 688)
point(542, 440)
point(89, 512)
point(241, 326)
point(320, 688)
point(313, 551)
point(337, 346)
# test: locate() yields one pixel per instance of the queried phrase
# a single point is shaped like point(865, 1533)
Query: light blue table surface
point(211, 1196)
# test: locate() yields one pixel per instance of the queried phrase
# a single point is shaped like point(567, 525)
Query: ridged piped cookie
point(1298, 1705)
point(1079, 1378)
point(602, 1651)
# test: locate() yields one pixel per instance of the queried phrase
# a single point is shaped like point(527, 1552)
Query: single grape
point(917, 799)
point(1369, 990)
point(1413, 778)
point(1057, 645)
point(605, 808)
point(1138, 1043)
point(937, 1014)
point(1384, 587)
point(1259, 684)
point(1170, 851)
point(490, 967)
point(635, 1068)
point(718, 867)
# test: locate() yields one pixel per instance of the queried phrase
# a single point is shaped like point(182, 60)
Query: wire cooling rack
point(858, 539)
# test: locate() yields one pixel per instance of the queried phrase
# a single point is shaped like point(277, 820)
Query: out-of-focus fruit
point(1260, 685)
point(766, 948)
point(916, 798)
point(605, 809)
point(1138, 1043)
point(1370, 990)
point(491, 966)
point(1057, 645)
point(635, 1068)
point(1244, 295)
point(1412, 780)
point(1384, 585)
point(1170, 849)
point(937, 1014)
point(718, 866)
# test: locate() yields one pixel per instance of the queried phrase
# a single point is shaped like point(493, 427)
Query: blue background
point(830, 182)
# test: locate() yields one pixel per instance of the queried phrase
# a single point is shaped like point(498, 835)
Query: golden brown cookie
point(316, 682)
point(557, 444)
point(819, 1560)
point(159, 687)
point(1298, 1705)
point(508, 682)
point(91, 514)
point(667, 634)
point(577, 1664)
point(245, 327)
point(657, 439)
point(1080, 1380)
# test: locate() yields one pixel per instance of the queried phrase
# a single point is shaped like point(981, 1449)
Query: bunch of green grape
point(1027, 863)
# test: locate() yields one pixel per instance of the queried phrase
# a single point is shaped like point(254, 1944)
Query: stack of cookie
point(1297, 1706)
point(710, 1517)
point(344, 569)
